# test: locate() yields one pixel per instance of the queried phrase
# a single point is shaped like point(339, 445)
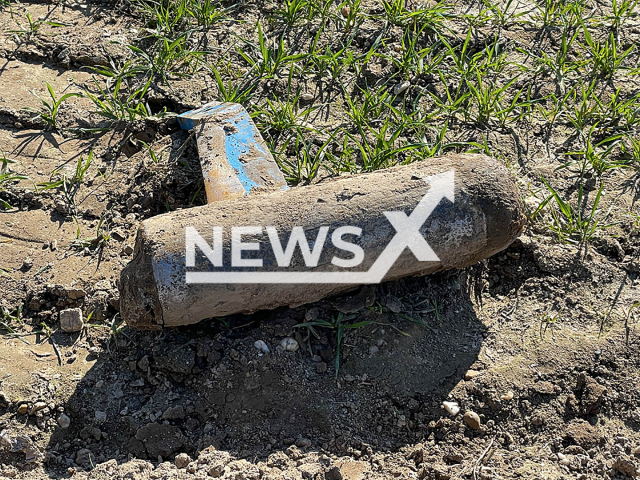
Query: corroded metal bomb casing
point(402, 221)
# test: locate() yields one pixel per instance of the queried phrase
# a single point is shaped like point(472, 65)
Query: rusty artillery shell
point(240, 256)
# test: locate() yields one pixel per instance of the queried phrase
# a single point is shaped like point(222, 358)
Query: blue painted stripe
point(238, 144)
point(241, 136)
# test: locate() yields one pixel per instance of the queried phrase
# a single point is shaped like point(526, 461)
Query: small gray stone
point(333, 473)
point(289, 344)
point(303, 443)
point(85, 457)
point(393, 304)
point(143, 363)
point(71, 320)
point(262, 346)
point(401, 88)
point(64, 421)
point(174, 413)
point(101, 417)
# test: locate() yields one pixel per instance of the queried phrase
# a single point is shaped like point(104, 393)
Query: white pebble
point(260, 345)
point(289, 344)
point(401, 88)
point(306, 97)
point(451, 407)
point(507, 396)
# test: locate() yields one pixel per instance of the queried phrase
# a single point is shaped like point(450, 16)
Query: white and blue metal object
point(235, 159)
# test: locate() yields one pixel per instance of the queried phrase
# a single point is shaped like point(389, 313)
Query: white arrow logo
point(407, 236)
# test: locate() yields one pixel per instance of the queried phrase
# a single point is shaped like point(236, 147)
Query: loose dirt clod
point(626, 466)
point(37, 407)
point(71, 320)
point(182, 460)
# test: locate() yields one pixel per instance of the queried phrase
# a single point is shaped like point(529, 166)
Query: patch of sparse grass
point(605, 57)
point(502, 14)
point(169, 18)
point(281, 116)
point(69, 185)
point(116, 327)
point(97, 242)
point(490, 102)
point(163, 17)
point(50, 109)
point(308, 159)
point(621, 10)
point(399, 13)
point(629, 314)
point(334, 60)
point(558, 64)
point(7, 177)
point(170, 56)
point(350, 13)
point(208, 13)
point(339, 323)
point(234, 90)
point(267, 57)
point(597, 158)
point(11, 320)
point(574, 223)
point(413, 57)
point(631, 147)
point(32, 27)
point(114, 103)
point(549, 13)
point(293, 11)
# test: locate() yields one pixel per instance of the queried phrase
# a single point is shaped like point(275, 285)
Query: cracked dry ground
point(557, 397)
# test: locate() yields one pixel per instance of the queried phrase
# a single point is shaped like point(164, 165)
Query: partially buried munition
point(296, 246)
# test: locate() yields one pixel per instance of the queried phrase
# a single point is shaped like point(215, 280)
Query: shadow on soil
point(181, 390)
